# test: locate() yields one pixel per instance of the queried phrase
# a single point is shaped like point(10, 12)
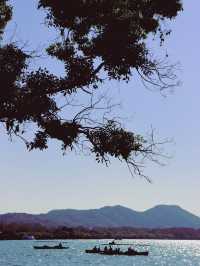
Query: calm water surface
point(161, 253)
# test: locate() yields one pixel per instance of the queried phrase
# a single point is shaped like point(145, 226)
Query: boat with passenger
point(109, 250)
point(58, 246)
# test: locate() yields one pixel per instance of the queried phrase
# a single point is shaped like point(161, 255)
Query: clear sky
point(40, 181)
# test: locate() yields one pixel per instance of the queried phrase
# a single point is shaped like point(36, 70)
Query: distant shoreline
point(87, 239)
point(39, 232)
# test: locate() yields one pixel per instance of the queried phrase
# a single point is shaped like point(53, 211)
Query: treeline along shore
point(16, 231)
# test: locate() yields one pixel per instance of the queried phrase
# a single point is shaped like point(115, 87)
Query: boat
point(49, 247)
point(59, 246)
point(118, 253)
point(108, 250)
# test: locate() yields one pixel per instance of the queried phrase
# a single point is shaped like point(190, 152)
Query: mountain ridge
point(160, 216)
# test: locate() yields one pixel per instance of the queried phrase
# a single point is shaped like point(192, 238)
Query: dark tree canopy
point(98, 38)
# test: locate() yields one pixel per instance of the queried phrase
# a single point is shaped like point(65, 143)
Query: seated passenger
point(110, 249)
point(94, 248)
point(130, 250)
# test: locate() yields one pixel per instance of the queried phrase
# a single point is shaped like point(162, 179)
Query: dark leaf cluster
point(115, 141)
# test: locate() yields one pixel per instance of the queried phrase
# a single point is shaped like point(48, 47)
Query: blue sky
point(40, 181)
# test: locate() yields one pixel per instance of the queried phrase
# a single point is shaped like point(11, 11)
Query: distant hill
point(161, 216)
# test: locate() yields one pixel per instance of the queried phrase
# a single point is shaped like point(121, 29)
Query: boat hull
point(36, 247)
point(126, 253)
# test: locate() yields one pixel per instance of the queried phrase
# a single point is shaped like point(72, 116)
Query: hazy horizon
point(100, 207)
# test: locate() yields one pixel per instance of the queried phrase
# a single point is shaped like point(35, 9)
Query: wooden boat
point(108, 250)
point(120, 253)
point(49, 247)
point(59, 246)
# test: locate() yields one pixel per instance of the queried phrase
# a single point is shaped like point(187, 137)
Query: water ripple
point(161, 253)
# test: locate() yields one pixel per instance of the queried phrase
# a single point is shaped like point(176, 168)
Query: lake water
point(161, 253)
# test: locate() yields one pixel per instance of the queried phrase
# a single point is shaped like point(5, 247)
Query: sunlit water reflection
point(161, 253)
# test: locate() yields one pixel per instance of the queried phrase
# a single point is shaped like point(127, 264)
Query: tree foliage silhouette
point(97, 38)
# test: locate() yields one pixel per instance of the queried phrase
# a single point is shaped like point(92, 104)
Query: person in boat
point(131, 250)
point(105, 249)
point(95, 249)
point(60, 245)
point(117, 250)
point(110, 250)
